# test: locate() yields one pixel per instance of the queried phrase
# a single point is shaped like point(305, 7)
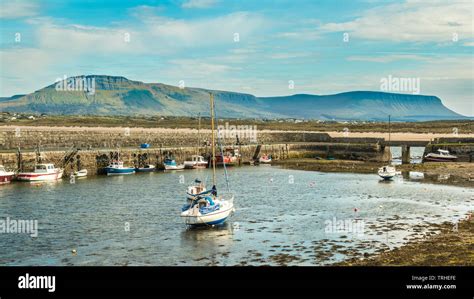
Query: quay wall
point(98, 138)
point(95, 160)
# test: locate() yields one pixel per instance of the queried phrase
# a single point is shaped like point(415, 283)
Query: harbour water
point(283, 217)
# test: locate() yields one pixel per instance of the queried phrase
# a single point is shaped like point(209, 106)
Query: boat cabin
point(196, 158)
point(44, 168)
point(116, 164)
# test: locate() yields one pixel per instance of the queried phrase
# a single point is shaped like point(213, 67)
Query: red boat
point(231, 157)
point(5, 176)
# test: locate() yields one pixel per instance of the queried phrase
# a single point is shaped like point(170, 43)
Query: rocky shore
point(453, 246)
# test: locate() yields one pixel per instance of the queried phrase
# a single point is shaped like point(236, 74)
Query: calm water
point(282, 215)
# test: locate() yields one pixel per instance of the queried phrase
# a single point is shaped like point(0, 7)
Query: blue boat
point(117, 168)
point(170, 164)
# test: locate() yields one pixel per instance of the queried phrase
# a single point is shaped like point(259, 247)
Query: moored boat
point(5, 176)
point(146, 168)
point(440, 156)
point(117, 168)
point(42, 172)
point(170, 164)
point(196, 161)
point(228, 156)
point(81, 173)
point(387, 172)
point(265, 159)
point(205, 208)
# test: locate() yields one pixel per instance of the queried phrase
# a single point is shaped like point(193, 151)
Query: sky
point(265, 48)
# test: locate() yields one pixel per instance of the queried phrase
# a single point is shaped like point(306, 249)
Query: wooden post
point(405, 154)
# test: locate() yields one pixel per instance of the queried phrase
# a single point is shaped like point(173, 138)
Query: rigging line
point(222, 151)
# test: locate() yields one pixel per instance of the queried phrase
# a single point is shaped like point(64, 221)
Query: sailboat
point(207, 208)
point(387, 172)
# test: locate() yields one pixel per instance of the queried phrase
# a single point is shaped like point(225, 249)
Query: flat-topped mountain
point(112, 95)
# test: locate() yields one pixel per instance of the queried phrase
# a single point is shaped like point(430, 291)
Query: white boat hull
point(387, 172)
point(194, 165)
point(35, 177)
point(174, 167)
point(195, 218)
point(81, 173)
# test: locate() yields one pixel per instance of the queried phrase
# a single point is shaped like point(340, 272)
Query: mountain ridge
point(117, 95)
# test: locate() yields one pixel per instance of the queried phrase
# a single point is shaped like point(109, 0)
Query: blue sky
point(278, 41)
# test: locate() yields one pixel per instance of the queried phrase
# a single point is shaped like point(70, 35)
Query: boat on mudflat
point(205, 207)
point(387, 172)
point(440, 156)
point(117, 168)
point(5, 176)
point(42, 172)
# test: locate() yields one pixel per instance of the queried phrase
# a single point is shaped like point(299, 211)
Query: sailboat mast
point(213, 141)
point(199, 134)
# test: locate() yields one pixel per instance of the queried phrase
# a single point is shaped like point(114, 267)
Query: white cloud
point(304, 34)
point(199, 3)
point(386, 58)
point(290, 55)
point(204, 32)
point(198, 68)
point(13, 9)
point(411, 21)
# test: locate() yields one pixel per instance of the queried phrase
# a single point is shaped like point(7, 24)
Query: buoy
point(74, 252)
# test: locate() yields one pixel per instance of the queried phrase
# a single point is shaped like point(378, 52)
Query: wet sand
point(453, 246)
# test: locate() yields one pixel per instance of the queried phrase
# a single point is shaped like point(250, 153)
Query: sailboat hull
point(218, 217)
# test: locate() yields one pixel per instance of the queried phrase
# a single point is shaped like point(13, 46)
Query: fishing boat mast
point(213, 141)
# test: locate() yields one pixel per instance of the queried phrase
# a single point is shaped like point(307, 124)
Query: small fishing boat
point(5, 176)
point(42, 172)
point(81, 173)
point(196, 162)
point(265, 159)
point(228, 156)
point(170, 164)
point(205, 208)
point(440, 156)
point(146, 168)
point(117, 168)
point(387, 172)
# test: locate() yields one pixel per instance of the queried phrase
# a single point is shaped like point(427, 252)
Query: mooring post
point(405, 154)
